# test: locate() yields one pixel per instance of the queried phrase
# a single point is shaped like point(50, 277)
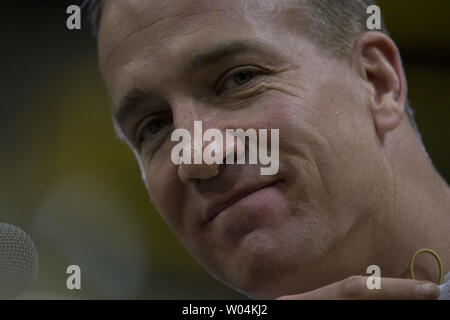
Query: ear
point(380, 66)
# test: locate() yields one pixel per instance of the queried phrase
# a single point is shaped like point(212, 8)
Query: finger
point(390, 289)
point(329, 292)
point(356, 287)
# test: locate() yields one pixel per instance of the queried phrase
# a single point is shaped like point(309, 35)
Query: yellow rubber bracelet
point(434, 254)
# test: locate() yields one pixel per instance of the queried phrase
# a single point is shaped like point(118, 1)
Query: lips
point(216, 208)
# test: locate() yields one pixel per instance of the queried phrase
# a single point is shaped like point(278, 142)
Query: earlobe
point(385, 79)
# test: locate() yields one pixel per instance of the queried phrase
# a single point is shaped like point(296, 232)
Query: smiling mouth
point(214, 211)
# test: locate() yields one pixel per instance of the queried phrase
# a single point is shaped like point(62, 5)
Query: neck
point(422, 215)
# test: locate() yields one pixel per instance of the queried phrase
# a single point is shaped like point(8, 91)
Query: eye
point(150, 129)
point(243, 77)
point(239, 79)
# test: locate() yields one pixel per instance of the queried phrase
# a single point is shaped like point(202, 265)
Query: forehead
point(141, 34)
point(125, 18)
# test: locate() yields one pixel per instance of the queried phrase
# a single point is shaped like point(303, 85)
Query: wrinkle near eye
point(236, 77)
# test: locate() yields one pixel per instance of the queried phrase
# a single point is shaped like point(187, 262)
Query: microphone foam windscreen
point(18, 262)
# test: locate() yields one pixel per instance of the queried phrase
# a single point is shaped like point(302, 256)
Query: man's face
point(245, 64)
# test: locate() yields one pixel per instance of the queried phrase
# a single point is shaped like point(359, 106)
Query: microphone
point(18, 262)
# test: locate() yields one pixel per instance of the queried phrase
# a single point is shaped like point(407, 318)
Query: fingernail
point(425, 290)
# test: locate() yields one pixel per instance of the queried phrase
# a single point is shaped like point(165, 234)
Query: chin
point(258, 266)
point(269, 263)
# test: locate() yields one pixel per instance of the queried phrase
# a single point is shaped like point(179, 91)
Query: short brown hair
point(336, 24)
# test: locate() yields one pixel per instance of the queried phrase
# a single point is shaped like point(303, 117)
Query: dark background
point(69, 183)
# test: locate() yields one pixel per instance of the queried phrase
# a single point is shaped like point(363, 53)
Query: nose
point(189, 173)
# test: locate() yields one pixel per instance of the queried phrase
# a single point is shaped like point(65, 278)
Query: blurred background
point(76, 190)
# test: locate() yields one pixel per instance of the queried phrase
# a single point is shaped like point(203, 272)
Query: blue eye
point(153, 127)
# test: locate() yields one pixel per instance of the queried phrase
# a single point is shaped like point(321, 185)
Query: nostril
point(191, 172)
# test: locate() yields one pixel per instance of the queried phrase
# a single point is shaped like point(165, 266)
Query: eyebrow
point(226, 50)
point(136, 96)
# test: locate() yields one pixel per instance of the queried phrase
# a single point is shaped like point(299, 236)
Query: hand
point(355, 288)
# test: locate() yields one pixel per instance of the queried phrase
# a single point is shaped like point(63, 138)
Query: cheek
point(348, 151)
point(301, 147)
point(166, 191)
point(316, 137)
